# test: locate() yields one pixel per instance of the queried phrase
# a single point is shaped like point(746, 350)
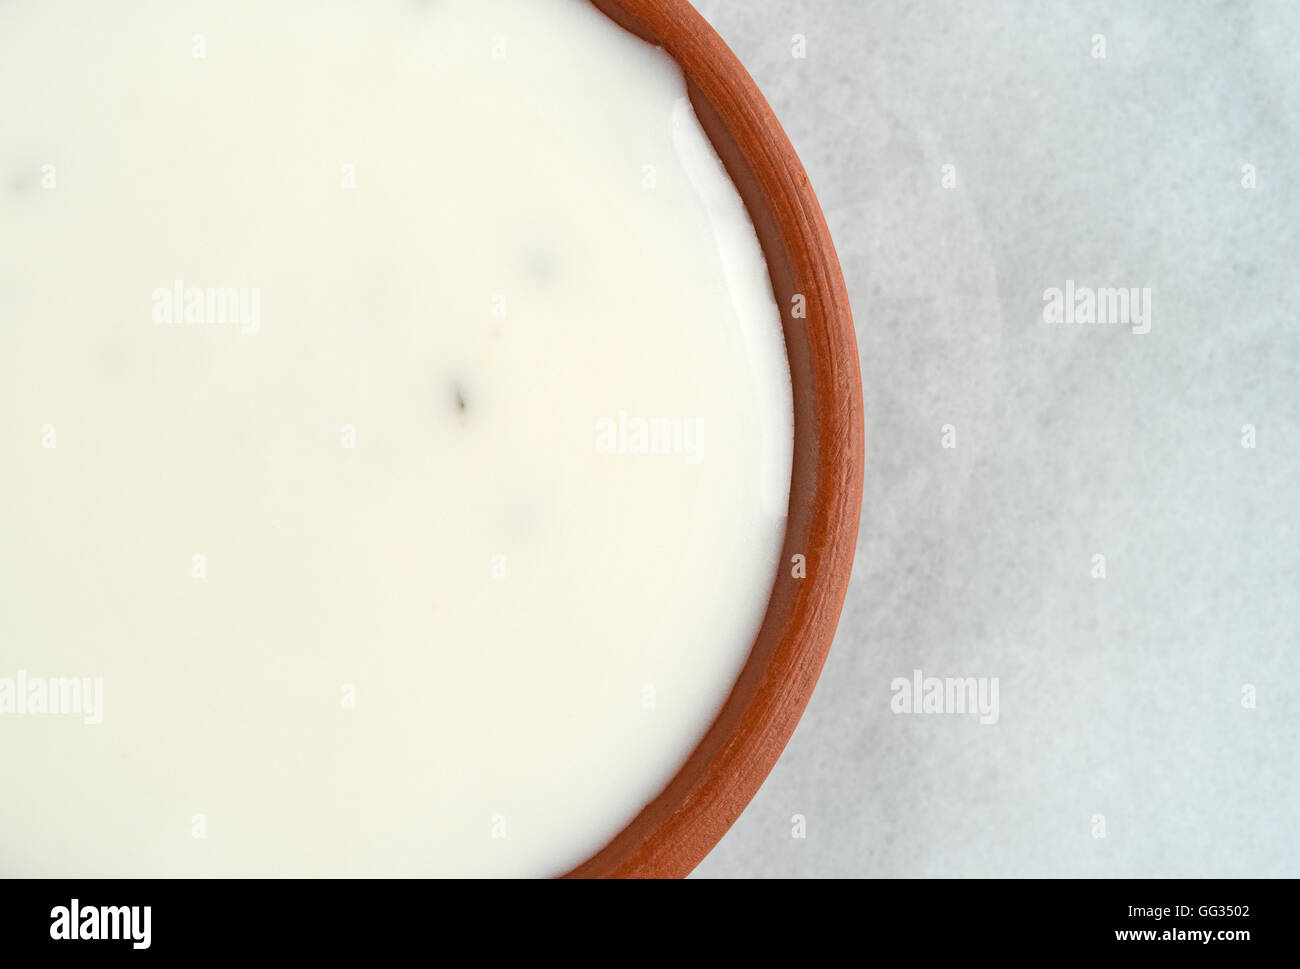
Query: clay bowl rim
point(674, 832)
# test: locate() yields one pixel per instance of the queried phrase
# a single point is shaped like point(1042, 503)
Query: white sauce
point(540, 248)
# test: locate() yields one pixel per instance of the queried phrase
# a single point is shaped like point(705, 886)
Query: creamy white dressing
point(394, 423)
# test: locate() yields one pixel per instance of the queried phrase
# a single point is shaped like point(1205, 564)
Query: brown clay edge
point(674, 832)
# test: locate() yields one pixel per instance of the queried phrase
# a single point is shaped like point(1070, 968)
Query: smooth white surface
point(511, 714)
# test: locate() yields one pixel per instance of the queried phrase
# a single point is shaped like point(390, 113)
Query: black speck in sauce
point(459, 391)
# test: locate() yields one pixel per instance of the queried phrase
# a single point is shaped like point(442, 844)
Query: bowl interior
point(674, 832)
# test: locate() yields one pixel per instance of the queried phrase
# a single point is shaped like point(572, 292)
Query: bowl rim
point(673, 833)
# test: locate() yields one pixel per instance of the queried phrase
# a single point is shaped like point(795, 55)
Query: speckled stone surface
point(1148, 720)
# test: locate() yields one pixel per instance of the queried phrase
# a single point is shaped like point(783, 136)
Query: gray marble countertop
point(1148, 719)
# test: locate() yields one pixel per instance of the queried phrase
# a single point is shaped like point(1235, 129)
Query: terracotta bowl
point(678, 828)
